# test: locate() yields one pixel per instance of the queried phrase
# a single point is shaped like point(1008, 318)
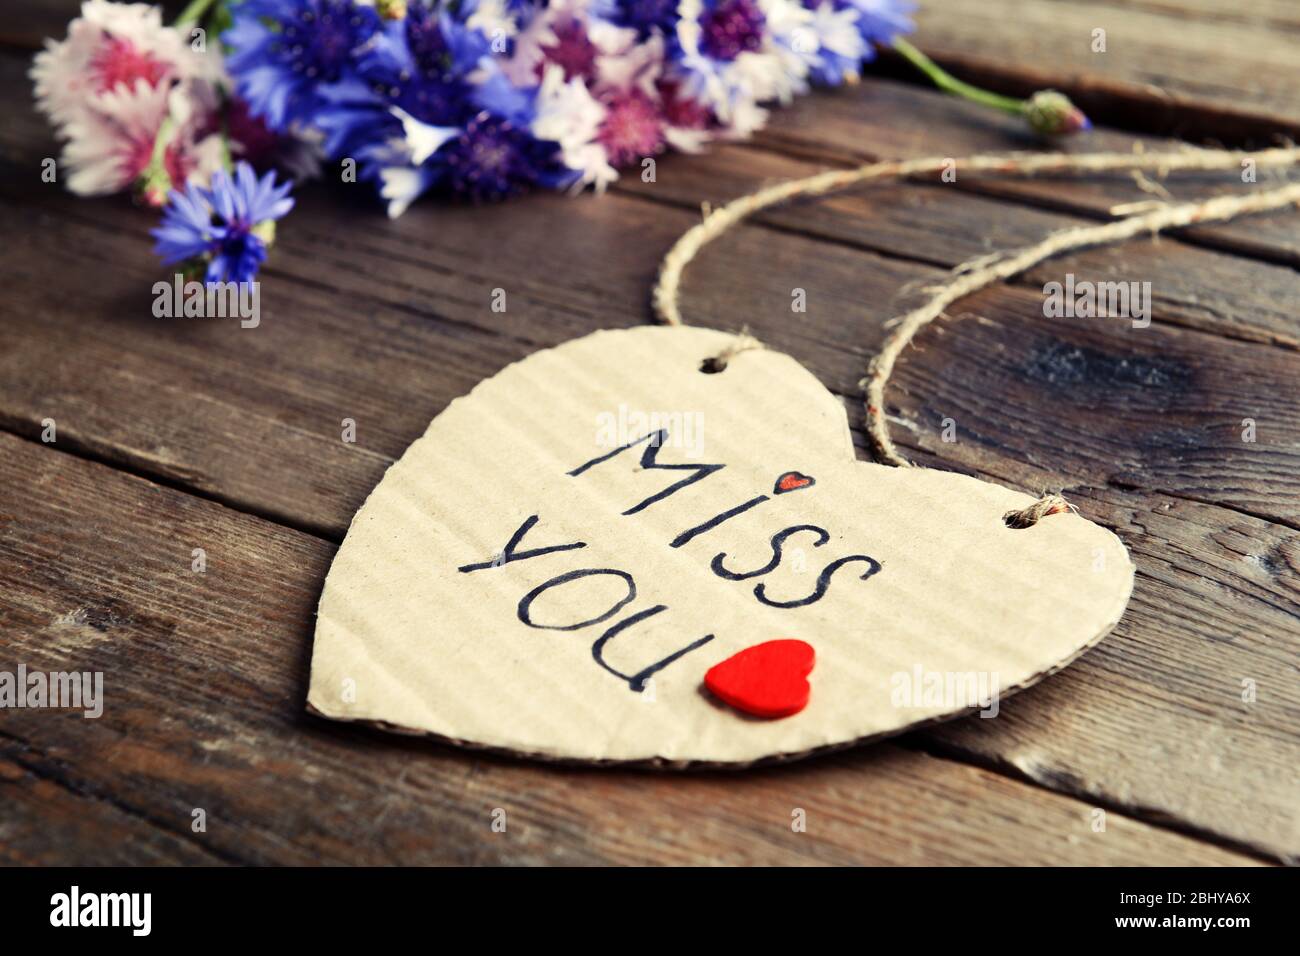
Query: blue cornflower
point(440, 42)
point(285, 52)
point(411, 81)
point(422, 66)
point(879, 21)
point(414, 120)
point(493, 156)
point(647, 17)
point(492, 159)
point(226, 227)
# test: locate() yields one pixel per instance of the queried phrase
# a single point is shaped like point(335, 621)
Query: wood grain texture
point(28, 23)
point(1222, 292)
point(129, 369)
point(1230, 64)
point(1153, 720)
point(882, 119)
point(43, 821)
point(204, 681)
point(269, 442)
point(385, 322)
point(452, 267)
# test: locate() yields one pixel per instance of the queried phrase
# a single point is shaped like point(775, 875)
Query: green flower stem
point(194, 13)
point(160, 143)
point(227, 159)
point(950, 84)
point(154, 184)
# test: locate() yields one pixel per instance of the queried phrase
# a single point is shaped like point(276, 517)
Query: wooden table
point(181, 434)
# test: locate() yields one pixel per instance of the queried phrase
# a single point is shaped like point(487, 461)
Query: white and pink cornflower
point(115, 146)
point(110, 86)
point(648, 112)
point(734, 57)
point(109, 47)
point(606, 98)
point(568, 34)
point(568, 114)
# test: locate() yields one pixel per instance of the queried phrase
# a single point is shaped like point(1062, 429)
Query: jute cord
point(975, 275)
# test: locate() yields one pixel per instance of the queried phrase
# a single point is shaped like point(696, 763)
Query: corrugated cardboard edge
point(660, 763)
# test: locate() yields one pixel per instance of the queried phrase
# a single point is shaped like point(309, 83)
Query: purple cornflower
point(730, 28)
point(492, 159)
point(226, 228)
point(647, 17)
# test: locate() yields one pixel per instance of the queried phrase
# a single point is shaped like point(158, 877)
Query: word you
point(75, 908)
point(1086, 300)
point(212, 300)
point(75, 690)
point(683, 430)
point(951, 690)
point(785, 483)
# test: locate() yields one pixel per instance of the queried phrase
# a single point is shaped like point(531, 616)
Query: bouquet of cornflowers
point(486, 98)
point(476, 99)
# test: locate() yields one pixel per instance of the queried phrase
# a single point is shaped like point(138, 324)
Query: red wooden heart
point(792, 481)
point(766, 680)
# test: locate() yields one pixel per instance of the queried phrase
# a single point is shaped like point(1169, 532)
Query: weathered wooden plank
point(454, 258)
point(43, 823)
point(249, 418)
point(879, 118)
point(938, 223)
point(1177, 411)
point(112, 372)
point(1173, 58)
point(204, 682)
point(1156, 720)
point(929, 223)
point(27, 23)
point(262, 407)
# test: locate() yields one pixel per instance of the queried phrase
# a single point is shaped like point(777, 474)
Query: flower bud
point(1052, 114)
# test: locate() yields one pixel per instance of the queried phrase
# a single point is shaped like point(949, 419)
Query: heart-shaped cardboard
point(537, 575)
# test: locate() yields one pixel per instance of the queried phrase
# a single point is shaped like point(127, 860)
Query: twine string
point(976, 274)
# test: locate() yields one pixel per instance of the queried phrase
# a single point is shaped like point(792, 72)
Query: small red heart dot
point(766, 680)
point(792, 481)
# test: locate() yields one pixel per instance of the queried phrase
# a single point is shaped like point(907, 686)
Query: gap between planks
point(43, 772)
point(1150, 815)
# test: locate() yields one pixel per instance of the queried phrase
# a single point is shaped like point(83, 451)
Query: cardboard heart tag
point(556, 564)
